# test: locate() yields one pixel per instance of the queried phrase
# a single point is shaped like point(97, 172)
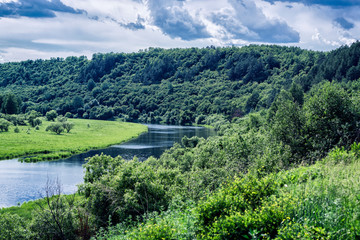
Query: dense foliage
point(289, 170)
point(173, 86)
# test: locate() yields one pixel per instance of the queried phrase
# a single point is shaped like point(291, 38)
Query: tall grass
point(331, 200)
point(178, 222)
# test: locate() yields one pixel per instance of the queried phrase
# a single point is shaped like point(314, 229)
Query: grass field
point(86, 134)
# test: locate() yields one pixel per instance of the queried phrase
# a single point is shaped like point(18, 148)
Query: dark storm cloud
point(250, 24)
point(345, 24)
point(175, 21)
point(35, 9)
point(331, 3)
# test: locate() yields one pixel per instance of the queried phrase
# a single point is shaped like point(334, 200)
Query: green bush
point(36, 122)
point(17, 120)
point(238, 199)
point(291, 230)
point(190, 142)
point(56, 128)
point(13, 227)
point(330, 118)
point(4, 125)
point(51, 115)
point(68, 115)
point(178, 222)
point(120, 189)
point(155, 231)
point(68, 126)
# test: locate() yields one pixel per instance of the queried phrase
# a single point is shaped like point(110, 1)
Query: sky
point(41, 29)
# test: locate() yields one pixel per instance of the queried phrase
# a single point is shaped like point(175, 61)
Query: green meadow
point(37, 145)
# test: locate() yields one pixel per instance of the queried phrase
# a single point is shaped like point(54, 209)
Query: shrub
point(4, 125)
point(51, 115)
point(124, 189)
point(61, 118)
point(12, 227)
point(162, 230)
point(54, 217)
point(291, 230)
point(56, 128)
point(35, 122)
point(217, 121)
point(68, 126)
point(32, 116)
point(190, 142)
point(178, 222)
point(16, 119)
point(244, 209)
point(68, 115)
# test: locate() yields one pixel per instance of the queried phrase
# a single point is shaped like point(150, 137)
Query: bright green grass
point(86, 135)
point(26, 209)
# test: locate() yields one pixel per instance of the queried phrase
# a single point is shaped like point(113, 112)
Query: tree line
point(174, 86)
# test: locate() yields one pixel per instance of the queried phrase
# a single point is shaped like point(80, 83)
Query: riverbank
point(26, 209)
point(23, 182)
point(39, 145)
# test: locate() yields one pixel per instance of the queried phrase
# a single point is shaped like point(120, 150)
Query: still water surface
point(21, 182)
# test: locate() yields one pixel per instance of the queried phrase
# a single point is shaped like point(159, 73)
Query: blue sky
point(32, 29)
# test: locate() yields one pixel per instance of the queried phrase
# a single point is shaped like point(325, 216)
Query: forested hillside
point(284, 165)
point(175, 86)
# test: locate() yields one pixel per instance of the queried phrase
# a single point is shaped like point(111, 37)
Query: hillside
point(285, 162)
point(173, 86)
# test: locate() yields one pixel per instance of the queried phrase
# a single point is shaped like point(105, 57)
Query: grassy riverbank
point(26, 209)
point(86, 135)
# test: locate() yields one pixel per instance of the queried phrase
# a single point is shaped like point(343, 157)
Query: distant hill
point(173, 86)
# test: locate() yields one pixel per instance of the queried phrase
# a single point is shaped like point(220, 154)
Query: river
point(21, 182)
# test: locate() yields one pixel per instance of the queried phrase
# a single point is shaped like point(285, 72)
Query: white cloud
point(315, 23)
point(77, 35)
point(16, 54)
point(8, 1)
point(122, 11)
point(104, 27)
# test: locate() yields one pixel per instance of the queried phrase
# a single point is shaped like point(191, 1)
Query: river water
point(21, 182)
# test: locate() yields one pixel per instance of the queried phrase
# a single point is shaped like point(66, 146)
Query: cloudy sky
point(32, 29)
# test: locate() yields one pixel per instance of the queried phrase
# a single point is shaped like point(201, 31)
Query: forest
point(284, 163)
point(174, 86)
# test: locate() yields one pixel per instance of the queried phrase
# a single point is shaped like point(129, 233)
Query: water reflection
point(20, 182)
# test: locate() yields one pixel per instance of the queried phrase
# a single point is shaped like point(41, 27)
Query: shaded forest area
point(175, 86)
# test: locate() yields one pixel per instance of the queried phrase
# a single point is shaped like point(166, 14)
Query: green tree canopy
point(10, 104)
point(51, 115)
